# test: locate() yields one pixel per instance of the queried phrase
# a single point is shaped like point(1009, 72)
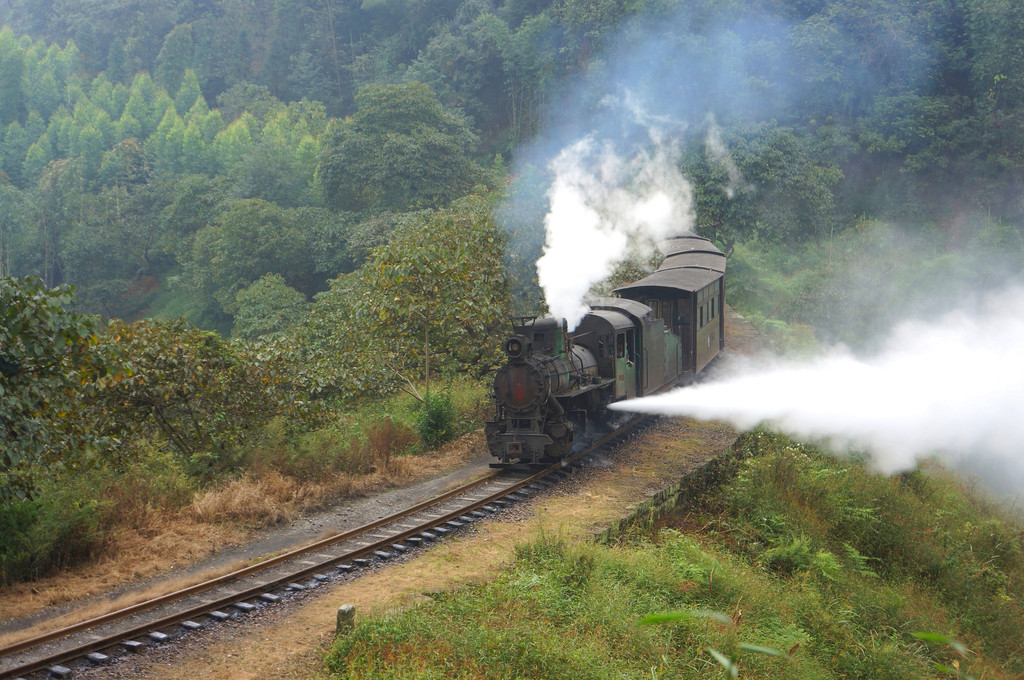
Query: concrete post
point(346, 619)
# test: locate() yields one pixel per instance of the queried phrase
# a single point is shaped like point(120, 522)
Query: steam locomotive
point(660, 332)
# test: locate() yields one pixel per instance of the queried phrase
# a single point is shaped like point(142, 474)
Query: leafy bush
point(199, 392)
point(436, 419)
point(44, 533)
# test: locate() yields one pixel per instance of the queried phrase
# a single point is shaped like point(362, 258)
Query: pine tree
point(117, 62)
point(12, 66)
point(306, 78)
point(164, 146)
point(39, 154)
point(188, 93)
point(174, 58)
point(15, 146)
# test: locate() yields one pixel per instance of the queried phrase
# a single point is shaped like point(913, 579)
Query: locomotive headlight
point(516, 347)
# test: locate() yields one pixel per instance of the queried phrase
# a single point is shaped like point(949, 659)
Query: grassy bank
point(280, 472)
point(830, 566)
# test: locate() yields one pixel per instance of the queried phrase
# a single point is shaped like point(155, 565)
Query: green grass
point(820, 559)
point(367, 436)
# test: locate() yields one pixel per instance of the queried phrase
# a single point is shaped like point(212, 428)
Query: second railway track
point(99, 639)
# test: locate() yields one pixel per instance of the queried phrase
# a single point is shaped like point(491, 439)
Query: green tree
point(46, 366)
point(117, 62)
point(124, 164)
point(401, 150)
point(193, 388)
point(44, 95)
point(996, 41)
point(250, 239)
point(146, 103)
point(435, 294)
point(12, 153)
point(165, 145)
point(189, 92)
point(281, 166)
point(12, 67)
point(89, 147)
point(174, 58)
point(58, 201)
point(194, 155)
point(306, 79)
point(39, 154)
point(269, 306)
point(233, 143)
point(774, 190)
point(463, 65)
point(255, 100)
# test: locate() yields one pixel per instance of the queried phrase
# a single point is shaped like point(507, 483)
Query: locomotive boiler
point(661, 332)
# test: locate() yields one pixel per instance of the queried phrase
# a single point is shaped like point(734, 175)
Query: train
point(657, 333)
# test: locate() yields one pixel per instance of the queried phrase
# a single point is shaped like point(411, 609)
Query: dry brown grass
point(151, 542)
point(264, 501)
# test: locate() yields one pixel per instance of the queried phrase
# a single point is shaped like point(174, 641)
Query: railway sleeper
point(133, 646)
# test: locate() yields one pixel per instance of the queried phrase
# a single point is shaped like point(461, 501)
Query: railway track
point(131, 629)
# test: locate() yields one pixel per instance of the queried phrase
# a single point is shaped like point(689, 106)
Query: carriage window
point(700, 322)
point(712, 308)
point(655, 307)
point(620, 346)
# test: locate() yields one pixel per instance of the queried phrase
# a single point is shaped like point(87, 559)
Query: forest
point(220, 215)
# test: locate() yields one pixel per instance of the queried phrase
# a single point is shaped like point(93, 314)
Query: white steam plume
point(954, 387)
point(601, 204)
point(718, 152)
